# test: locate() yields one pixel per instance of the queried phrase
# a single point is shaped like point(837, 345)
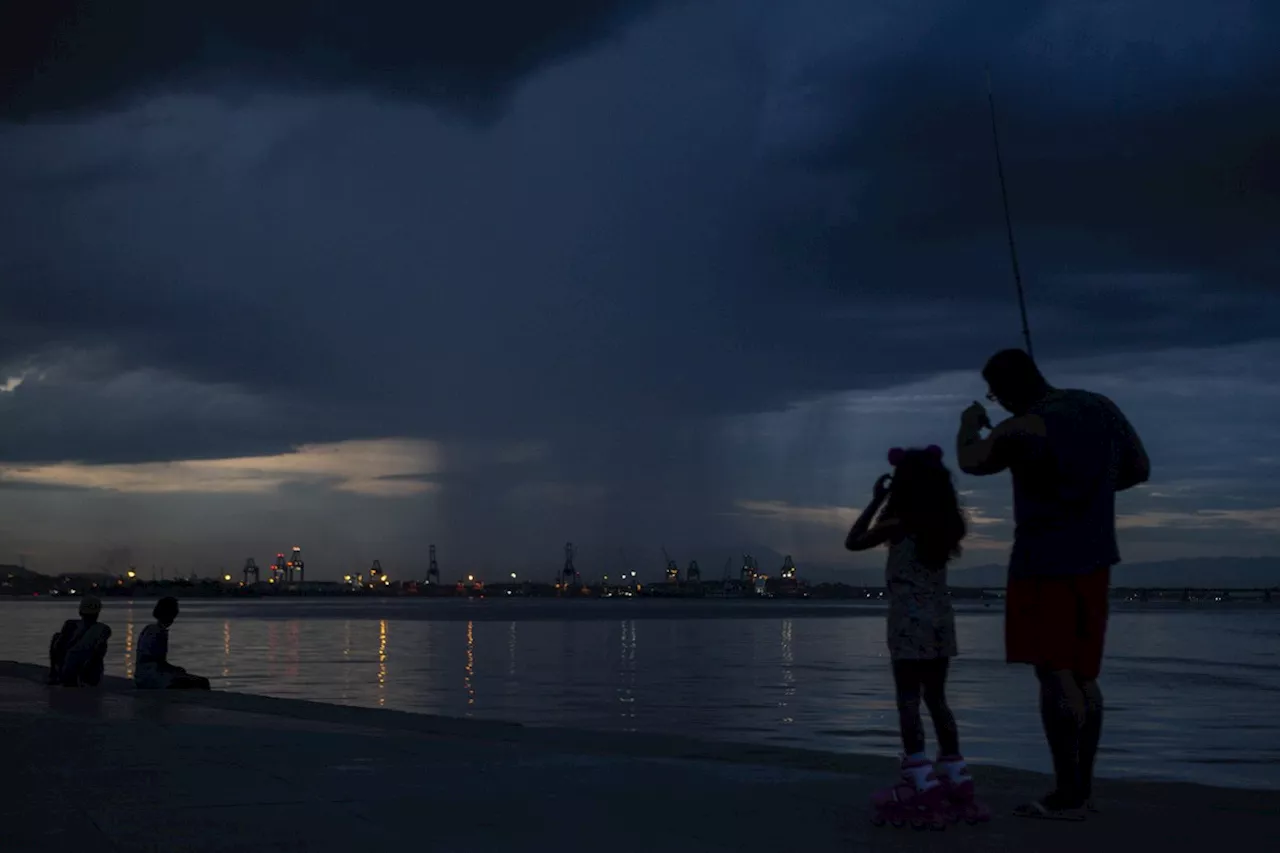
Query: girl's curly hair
point(923, 498)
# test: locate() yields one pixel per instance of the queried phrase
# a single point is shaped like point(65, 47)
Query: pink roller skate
point(916, 798)
point(961, 801)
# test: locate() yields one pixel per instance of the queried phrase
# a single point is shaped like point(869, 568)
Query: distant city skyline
point(716, 563)
point(645, 274)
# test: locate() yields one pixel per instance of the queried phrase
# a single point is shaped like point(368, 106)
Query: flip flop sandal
point(1039, 811)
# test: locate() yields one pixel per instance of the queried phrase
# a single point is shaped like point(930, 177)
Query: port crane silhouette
point(433, 568)
point(569, 574)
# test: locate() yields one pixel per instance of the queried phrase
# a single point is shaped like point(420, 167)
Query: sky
point(367, 276)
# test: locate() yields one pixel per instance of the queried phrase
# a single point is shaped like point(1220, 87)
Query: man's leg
point(1046, 638)
point(1090, 733)
point(1094, 592)
point(1062, 711)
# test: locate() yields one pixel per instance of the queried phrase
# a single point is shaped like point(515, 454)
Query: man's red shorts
point(1058, 623)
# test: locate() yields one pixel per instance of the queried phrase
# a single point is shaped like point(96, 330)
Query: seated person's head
point(166, 610)
point(90, 607)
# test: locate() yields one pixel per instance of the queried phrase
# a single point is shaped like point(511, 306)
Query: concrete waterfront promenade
point(116, 770)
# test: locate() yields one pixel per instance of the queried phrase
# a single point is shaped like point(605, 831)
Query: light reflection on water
point(469, 670)
point(382, 662)
point(1191, 692)
point(128, 641)
point(346, 657)
point(226, 648)
point(788, 675)
point(511, 649)
point(627, 675)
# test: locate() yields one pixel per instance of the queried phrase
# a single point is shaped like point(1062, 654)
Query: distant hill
point(15, 571)
point(15, 580)
point(1235, 572)
point(1213, 571)
point(27, 574)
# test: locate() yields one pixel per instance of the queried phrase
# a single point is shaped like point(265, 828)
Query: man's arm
point(977, 455)
point(982, 457)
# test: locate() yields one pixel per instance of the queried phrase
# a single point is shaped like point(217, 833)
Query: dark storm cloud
point(643, 236)
point(492, 288)
point(1141, 156)
point(69, 55)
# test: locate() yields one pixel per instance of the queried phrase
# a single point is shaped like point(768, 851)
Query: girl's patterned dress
point(922, 624)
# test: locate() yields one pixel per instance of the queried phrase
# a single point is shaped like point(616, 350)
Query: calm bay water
point(1192, 691)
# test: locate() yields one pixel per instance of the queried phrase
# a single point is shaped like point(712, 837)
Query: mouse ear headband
point(897, 454)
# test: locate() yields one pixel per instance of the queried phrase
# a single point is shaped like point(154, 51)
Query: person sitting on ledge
point(77, 651)
point(153, 670)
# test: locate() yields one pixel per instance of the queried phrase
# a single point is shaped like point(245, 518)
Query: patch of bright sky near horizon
point(802, 474)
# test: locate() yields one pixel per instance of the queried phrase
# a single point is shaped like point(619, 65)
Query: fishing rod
point(1008, 220)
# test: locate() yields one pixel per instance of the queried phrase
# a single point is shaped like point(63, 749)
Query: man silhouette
point(1069, 452)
